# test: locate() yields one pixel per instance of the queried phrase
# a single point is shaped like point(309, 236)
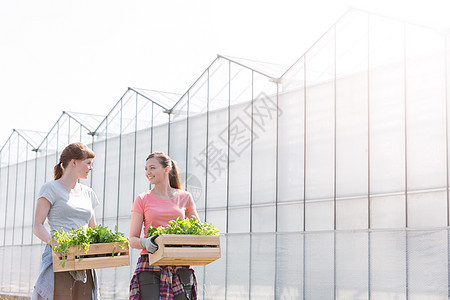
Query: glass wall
point(329, 181)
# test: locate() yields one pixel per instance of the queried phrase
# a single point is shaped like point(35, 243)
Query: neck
point(164, 190)
point(68, 180)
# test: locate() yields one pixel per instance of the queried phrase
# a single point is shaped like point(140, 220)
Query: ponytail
point(58, 171)
point(174, 177)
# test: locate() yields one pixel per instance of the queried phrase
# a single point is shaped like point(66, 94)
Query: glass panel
point(40, 180)
point(387, 265)
point(291, 146)
point(428, 209)
point(320, 94)
point(352, 279)
point(263, 218)
point(262, 275)
point(143, 150)
point(427, 264)
point(264, 113)
point(127, 173)
point(160, 138)
point(11, 194)
point(294, 79)
point(352, 213)
point(98, 176)
point(111, 179)
point(387, 211)
point(217, 156)
point(19, 203)
point(217, 218)
point(217, 159)
point(240, 84)
point(351, 106)
point(425, 96)
point(178, 141)
point(51, 155)
point(128, 113)
point(289, 266)
point(197, 135)
point(3, 201)
point(238, 267)
point(144, 113)
point(239, 137)
point(64, 129)
point(386, 105)
point(387, 131)
point(29, 200)
point(241, 220)
point(319, 215)
point(219, 84)
point(214, 275)
point(290, 217)
point(319, 265)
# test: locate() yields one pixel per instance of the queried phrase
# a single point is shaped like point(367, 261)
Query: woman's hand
point(149, 244)
point(53, 244)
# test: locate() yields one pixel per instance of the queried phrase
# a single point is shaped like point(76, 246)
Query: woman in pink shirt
point(164, 202)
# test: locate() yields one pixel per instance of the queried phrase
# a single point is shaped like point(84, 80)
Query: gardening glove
point(149, 244)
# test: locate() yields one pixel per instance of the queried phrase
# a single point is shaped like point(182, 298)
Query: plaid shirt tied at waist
point(170, 283)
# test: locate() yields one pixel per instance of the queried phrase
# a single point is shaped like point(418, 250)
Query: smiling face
point(155, 172)
point(83, 167)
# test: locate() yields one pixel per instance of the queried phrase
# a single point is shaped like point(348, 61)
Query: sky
point(81, 56)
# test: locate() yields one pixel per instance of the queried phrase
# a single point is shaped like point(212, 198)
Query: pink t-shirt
point(158, 212)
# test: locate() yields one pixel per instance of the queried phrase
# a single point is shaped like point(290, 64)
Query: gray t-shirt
point(68, 210)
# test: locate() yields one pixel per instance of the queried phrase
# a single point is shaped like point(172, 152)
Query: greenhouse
point(328, 179)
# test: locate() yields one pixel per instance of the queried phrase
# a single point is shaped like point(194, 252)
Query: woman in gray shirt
point(66, 204)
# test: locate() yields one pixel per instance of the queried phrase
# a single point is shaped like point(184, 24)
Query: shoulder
point(184, 194)
point(144, 196)
point(49, 191)
point(48, 186)
point(141, 201)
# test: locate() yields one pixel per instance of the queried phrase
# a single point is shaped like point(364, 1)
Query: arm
point(192, 213)
point(42, 208)
point(135, 230)
point(92, 222)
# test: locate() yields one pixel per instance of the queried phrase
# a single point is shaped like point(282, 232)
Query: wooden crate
point(98, 256)
point(185, 250)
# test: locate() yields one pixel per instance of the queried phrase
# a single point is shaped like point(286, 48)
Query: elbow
point(34, 229)
point(37, 228)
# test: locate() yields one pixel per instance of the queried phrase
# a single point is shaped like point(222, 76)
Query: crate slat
point(90, 261)
point(178, 250)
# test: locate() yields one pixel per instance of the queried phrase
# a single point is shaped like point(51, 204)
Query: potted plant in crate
point(89, 248)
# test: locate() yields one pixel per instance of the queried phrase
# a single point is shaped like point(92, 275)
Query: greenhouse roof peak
point(164, 99)
point(272, 70)
point(32, 137)
point(90, 121)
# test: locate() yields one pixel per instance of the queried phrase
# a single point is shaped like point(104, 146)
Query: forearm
point(41, 232)
point(135, 242)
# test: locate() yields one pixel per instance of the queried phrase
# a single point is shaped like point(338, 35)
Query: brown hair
point(78, 151)
point(166, 161)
